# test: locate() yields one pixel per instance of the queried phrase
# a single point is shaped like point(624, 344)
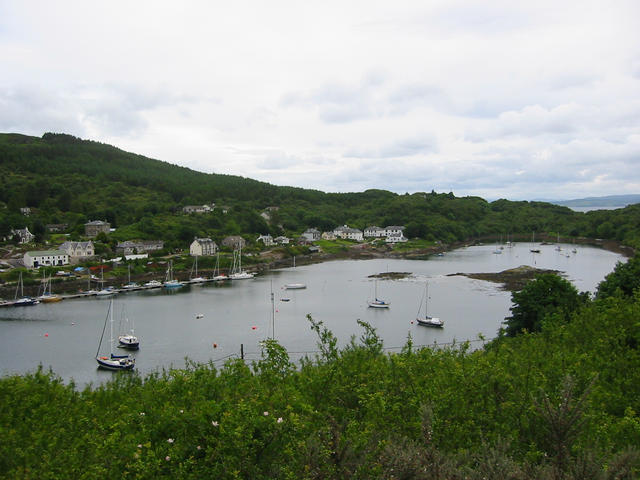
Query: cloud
point(502, 99)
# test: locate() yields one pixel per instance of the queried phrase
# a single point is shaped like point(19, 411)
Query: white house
point(202, 246)
point(328, 236)
point(23, 234)
point(281, 240)
point(311, 234)
point(348, 233)
point(375, 232)
point(266, 239)
point(78, 250)
point(40, 258)
point(396, 239)
point(198, 208)
point(394, 231)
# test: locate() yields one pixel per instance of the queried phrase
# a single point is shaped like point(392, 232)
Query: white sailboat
point(23, 301)
point(127, 340)
point(130, 285)
point(171, 282)
point(217, 276)
point(427, 321)
point(194, 278)
point(558, 248)
point(376, 302)
point(236, 272)
point(533, 239)
point(111, 361)
point(104, 292)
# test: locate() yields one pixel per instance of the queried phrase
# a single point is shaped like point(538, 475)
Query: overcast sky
point(500, 99)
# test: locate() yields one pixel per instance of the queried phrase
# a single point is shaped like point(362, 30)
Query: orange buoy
point(215, 345)
point(254, 327)
point(46, 334)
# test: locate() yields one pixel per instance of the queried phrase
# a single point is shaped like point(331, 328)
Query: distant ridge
point(606, 201)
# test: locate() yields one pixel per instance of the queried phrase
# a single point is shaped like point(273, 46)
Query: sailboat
point(104, 292)
point(23, 301)
point(196, 278)
point(112, 362)
point(376, 302)
point(127, 340)
point(558, 248)
point(427, 321)
point(130, 285)
point(217, 276)
point(47, 296)
point(236, 272)
point(170, 282)
point(533, 239)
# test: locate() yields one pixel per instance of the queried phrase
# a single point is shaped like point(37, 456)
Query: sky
point(499, 99)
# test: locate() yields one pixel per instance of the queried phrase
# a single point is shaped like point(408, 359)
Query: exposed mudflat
point(513, 279)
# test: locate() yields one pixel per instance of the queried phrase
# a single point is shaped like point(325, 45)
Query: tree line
point(63, 179)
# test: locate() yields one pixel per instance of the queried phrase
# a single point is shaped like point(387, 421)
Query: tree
point(548, 293)
point(625, 278)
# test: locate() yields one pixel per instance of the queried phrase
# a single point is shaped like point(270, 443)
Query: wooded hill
point(64, 179)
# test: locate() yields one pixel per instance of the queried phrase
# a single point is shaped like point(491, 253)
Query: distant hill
point(607, 201)
point(66, 180)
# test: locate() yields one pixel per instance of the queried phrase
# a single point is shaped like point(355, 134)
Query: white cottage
point(48, 258)
point(266, 239)
point(202, 246)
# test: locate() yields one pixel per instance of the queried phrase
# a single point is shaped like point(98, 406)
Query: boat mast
point(273, 315)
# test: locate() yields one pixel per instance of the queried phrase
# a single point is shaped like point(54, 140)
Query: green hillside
point(63, 179)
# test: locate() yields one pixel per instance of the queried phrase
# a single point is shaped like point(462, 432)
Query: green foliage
point(624, 280)
point(546, 295)
point(68, 180)
point(561, 403)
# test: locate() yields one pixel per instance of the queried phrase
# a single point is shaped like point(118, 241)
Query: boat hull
point(430, 322)
point(116, 362)
point(379, 304)
point(25, 302)
point(128, 341)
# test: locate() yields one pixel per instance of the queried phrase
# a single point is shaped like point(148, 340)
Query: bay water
point(213, 322)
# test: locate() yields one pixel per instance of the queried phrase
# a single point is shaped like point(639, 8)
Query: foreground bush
point(561, 403)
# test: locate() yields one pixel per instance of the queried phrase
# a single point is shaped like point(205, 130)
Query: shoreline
point(75, 288)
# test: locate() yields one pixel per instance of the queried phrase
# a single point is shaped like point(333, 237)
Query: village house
point(199, 208)
point(234, 241)
point(311, 234)
point(130, 247)
point(93, 228)
point(281, 240)
point(266, 239)
point(77, 251)
point(23, 234)
point(394, 231)
point(26, 211)
point(374, 232)
point(328, 236)
point(348, 233)
point(56, 227)
point(41, 258)
point(202, 246)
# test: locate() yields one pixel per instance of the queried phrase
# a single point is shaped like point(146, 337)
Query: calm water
point(65, 335)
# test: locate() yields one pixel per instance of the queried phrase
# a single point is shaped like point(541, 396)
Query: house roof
point(48, 253)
